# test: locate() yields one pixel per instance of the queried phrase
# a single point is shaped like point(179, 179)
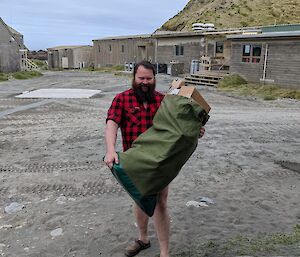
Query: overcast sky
point(46, 23)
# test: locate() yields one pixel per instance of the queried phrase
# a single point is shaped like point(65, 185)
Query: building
point(112, 51)
point(208, 49)
point(70, 57)
point(269, 54)
point(167, 48)
point(12, 49)
point(272, 56)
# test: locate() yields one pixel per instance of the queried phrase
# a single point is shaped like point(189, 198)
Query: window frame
point(179, 50)
point(256, 58)
point(219, 44)
point(249, 55)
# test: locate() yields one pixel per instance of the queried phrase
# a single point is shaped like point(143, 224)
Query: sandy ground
point(51, 151)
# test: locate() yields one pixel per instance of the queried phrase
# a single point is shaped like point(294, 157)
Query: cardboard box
point(178, 87)
point(192, 92)
point(177, 83)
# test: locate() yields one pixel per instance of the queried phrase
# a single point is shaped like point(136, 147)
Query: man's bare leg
point(142, 222)
point(162, 223)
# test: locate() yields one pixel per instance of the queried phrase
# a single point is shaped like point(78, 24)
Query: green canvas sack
point(159, 153)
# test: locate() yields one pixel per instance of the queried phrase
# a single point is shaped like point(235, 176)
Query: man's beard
point(142, 96)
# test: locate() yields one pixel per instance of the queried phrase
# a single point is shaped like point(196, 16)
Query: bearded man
point(133, 111)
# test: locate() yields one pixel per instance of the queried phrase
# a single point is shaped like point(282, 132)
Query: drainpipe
point(265, 63)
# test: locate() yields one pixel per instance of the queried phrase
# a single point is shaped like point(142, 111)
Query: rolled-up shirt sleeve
point(115, 110)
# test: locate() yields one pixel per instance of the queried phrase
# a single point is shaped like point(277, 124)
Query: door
point(142, 53)
point(65, 62)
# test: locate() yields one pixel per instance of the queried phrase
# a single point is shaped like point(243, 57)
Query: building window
point(109, 47)
point(179, 50)
point(219, 47)
point(256, 53)
point(246, 53)
point(251, 53)
point(123, 48)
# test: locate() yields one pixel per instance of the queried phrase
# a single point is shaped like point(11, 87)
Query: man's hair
point(146, 65)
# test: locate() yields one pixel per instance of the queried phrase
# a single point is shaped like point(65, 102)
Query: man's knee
point(162, 199)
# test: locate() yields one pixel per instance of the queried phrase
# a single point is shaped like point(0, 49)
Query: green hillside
point(235, 13)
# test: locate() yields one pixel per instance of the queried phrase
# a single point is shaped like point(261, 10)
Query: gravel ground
point(51, 152)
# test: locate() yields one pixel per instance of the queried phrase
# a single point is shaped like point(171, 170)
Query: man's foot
point(136, 247)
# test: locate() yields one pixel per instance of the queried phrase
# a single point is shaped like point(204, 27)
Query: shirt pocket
point(133, 116)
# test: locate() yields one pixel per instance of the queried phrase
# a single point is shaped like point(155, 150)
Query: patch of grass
point(244, 24)
point(279, 243)
point(124, 74)
point(26, 74)
point(244, 14)
point(269, 98)
point(248, 8)
point(232, 81)
point(106, 69)
point(3, 77)
point(236, 84)
point(88, 69)
point(57, 69)
point(41, 64)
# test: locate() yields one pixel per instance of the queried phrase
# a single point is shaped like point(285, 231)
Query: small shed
point(11, 48)
point(70, 57)
point(267, 57)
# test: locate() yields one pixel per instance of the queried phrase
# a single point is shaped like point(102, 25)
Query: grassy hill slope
point(235, 13)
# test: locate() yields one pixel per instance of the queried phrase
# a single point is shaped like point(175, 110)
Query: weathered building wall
point(50, 60)
point(283, 61)
point(9, 58)
point(65, 53)
point(56, 55)
point(252, 72)
point(193, 48)
point(55, 58)
point(9, 51)
point(211, 51)
point(19, 40)
point(111, 52)
point(82, 55)
point(70, 57)
point(160, 48)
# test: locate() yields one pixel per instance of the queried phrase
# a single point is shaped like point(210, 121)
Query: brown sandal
point(136, 247)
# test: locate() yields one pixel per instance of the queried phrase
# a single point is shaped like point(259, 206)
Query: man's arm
point(111, 131)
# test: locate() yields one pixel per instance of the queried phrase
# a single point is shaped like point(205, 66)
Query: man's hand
point(201, 133)
point(111, 158)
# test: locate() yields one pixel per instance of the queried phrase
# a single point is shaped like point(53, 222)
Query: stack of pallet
point(207, 78)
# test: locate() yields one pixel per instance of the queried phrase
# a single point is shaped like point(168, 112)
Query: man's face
point(144, 78)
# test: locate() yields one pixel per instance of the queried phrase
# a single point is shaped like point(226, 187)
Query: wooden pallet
point(204, 78)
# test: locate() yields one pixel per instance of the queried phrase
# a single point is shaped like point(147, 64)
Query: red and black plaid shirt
point(131, 116)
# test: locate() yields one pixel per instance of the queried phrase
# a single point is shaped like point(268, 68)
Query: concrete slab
point(59, 93)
